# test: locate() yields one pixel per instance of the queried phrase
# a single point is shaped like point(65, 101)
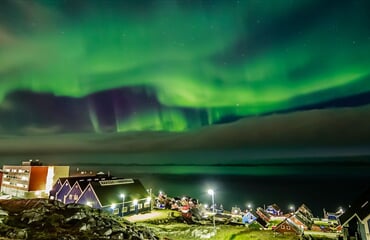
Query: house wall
point(298, 222)
point(285, 228)
point(38, 178)
point(57, 186)
point(130, 208)
point(88, 197)
point(366, 224)
point(74, 194)
point(15, 180)
point(60, 195)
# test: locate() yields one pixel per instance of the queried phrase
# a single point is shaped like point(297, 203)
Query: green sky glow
point(230, 58)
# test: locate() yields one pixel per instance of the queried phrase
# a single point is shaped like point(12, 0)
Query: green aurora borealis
point(198, 61)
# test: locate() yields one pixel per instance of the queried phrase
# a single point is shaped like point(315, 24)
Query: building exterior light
point(212, 193)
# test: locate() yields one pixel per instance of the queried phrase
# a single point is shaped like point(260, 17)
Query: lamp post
point(212, 193)
point(123, 203)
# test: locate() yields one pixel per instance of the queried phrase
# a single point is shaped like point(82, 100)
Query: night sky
point(179, 75)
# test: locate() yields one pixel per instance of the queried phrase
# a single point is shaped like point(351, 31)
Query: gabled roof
point(109, 193)
point(274, 206)
point(305, 211)
point(359, 208)
point(294, 226)
point(261, 211)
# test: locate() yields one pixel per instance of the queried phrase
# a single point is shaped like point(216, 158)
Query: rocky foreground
point(43, 219)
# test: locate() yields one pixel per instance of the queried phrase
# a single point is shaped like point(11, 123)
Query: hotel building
point(31, 179)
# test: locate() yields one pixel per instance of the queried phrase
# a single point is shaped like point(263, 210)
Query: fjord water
point(319, 182)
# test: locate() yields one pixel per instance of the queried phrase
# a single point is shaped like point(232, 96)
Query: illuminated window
point(70, 196)
point(140, 206)
point(116, 211)
point(146, 205)
point(125, 209)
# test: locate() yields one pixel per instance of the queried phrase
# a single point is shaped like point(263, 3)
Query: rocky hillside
point(43, 219)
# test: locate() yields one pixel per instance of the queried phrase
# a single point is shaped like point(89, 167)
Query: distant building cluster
point(31, 179)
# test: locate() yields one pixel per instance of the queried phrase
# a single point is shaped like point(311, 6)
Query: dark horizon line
point(364, 163)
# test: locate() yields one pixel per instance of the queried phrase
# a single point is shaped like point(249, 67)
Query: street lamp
point(123, 203)
point(212, 193)
point(291, 207)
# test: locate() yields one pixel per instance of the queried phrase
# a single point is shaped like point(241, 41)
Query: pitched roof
point(274, 206)
point(262, 222)
point(294, 226)
point(110, 191)
point(359, 207)
point(303, 208)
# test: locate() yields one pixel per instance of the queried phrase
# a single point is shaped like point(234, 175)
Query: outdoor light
point(291, 207)
point(212, 193)
point(113, 206)
point(123, 202)
point(341, 210)
point(135, 202)
point(148, 199)
point(89, 204)
point(205, 206)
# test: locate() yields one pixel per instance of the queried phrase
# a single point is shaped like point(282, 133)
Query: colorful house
point(63, 186)
point(303, 217)
point(263, 214)
point(356, 220)
point(120, 196)
point(288, 226)
point(274, 210)
point(248, 218)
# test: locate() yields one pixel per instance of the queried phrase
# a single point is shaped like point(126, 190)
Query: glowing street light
point(135, 202)
point(212, 193)
point(123, 202)
point(340, 211)
point(292, 208)
point(113, 206)
point(249, 206)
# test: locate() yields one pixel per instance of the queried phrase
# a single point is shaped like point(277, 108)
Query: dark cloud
point(344, 128)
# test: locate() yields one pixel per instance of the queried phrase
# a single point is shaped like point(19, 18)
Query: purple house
point(57, 186)
point(61, 194)
point(61, 190)
point(121, 196)
point(74, 194)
